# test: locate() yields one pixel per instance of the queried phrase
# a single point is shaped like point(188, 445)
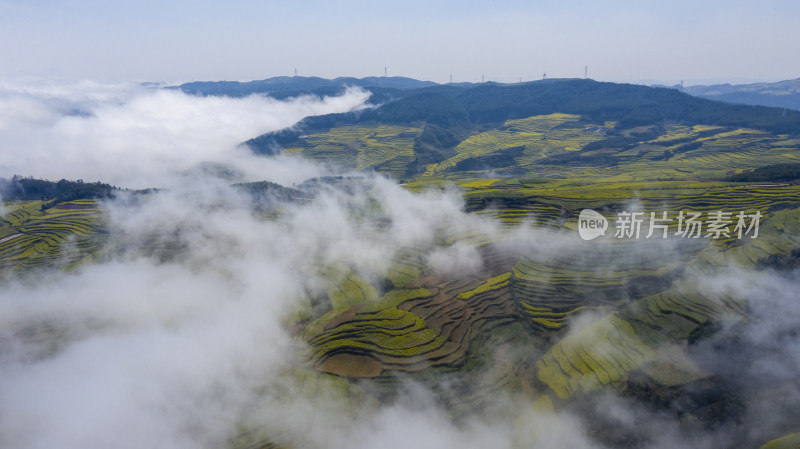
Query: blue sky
point(620, 40)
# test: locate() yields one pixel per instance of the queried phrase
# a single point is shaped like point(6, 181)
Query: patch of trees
point(266, 190)
point(499, 159)
point(28, 188)
point(769, 173)
point(667, 155)
point(781, 262)
point(270, 144)
point(620, 142)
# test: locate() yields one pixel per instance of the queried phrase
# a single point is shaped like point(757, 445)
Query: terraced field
point(60, 236)
point(386, 148)
point(540, 136)
point(428, 322)
point(550, 291)
point(787, 442)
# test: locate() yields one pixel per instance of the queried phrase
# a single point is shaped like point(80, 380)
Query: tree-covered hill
point(28, 188)
point(441, 123)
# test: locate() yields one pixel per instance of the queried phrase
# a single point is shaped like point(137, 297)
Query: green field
point(385, 148)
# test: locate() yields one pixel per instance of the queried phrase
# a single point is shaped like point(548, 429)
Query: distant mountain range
point(283, 84)
point(290, 86)
point(783, 94)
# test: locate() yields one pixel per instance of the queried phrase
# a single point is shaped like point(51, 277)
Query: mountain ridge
point(448, 115)
point(781, 94)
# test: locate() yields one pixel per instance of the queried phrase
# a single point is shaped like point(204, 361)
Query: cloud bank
point(136, 136)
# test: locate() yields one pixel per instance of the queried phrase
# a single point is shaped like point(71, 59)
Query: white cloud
point(135, 137)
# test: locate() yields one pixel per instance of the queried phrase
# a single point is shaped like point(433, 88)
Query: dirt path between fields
point(10, 237)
